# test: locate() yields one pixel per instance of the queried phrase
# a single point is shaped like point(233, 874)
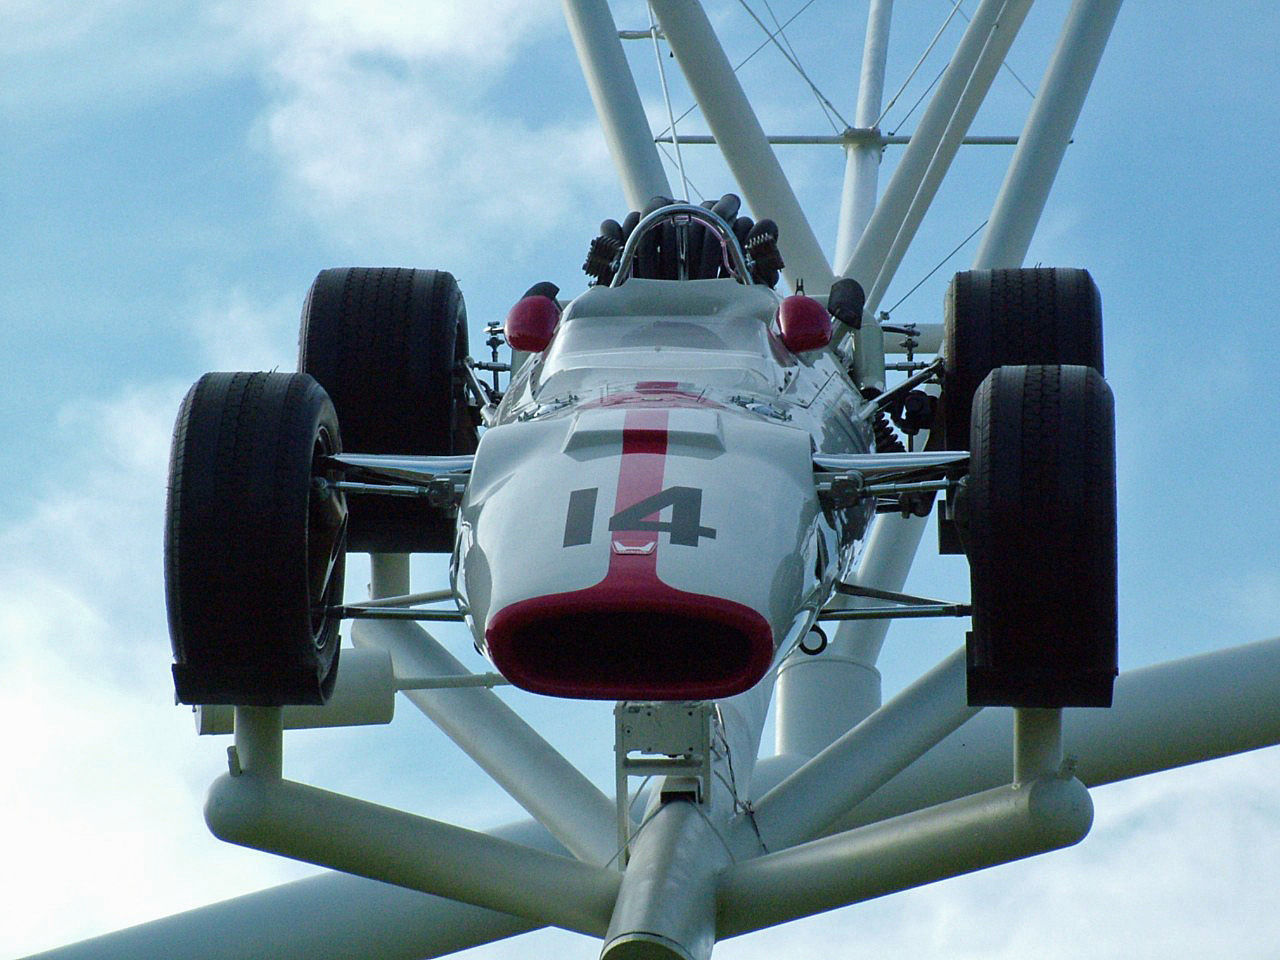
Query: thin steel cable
point(671, 160)
point(919, 100)
point(794, 62)
point(747, 59)
point(1003, 63)
point(787, 40)
point(666, 96)
point(919, 63)
point(926, 277)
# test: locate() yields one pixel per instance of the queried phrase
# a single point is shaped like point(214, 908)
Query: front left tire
point(254, 542)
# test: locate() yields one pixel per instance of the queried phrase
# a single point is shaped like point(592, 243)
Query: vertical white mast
point(862, 157)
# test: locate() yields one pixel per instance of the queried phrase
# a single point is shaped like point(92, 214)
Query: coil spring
point(887, 439)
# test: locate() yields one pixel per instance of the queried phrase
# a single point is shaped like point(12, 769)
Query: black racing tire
point(1040, 522)
point(254, 546)
point(389, 346)
point(998, 318)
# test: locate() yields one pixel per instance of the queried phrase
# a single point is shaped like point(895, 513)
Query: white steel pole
point(862, 158)
point(1048, 130)
point(316, 826)
point(542, 781)
point(666, 906)
point(613, 90)
point(332, 916)
point(873, 246)
point(820, 700)
point(984, 73)
point(1001, 825)
point(1165, 716)
point(742, 141)
point(865, 758)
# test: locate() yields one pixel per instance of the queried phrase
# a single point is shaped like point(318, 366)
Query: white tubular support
point(1048, 130)
point(865, 758)
point(1165, 716)
point(259, 747)
point(1008, 823)
point(862, 159)
point(666, 907)
point(364, 694)
point(864, 265)
point(332, 916)
point(742, 141)
point(1037, 744)
point(984, 72)
point(542, 781)
point(332, 830)
point(613, 90)
point(821, 698)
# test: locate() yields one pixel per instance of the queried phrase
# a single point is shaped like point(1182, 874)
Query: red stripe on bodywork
point(631, 636)
point(644, 460)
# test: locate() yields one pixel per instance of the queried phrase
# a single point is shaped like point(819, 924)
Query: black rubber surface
point(1040, 523)
point(387, 344)
point(244, 533)
point(996, 318)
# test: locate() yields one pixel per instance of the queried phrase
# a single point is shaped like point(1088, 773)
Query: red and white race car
point(670, 491)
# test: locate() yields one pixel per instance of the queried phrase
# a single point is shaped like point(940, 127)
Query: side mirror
point(531, 323)
point(803, 324)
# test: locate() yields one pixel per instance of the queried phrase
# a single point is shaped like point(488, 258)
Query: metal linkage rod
point(1001, 825)
point(542, 781)
point(340, 832)
point(1048, 130)
point(613, 90)
point(742, 141)
point(1164, 716)
point(803, 805)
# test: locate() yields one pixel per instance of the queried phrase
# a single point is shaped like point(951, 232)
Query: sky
point(172, 177)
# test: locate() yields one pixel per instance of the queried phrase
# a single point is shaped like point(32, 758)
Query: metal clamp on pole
point(671, 739)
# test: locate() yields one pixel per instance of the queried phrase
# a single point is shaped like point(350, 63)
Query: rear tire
point(254, 551)
point(1041, 532)
point(388, 345)
point(997, 318)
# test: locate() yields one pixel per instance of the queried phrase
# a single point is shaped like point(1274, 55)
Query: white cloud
point(235, 332)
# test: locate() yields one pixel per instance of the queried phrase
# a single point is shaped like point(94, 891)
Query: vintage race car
point(670, 491)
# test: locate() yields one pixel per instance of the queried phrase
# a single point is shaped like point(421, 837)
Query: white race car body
point(642, 520)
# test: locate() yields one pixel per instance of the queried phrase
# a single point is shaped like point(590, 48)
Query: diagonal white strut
point(742, 141)
point(542, 781)
point(617, 102)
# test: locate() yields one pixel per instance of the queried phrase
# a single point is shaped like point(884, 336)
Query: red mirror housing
point(803, 324)
point(531, 323)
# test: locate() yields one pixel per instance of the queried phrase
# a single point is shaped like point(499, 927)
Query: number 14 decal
point(685, 525)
